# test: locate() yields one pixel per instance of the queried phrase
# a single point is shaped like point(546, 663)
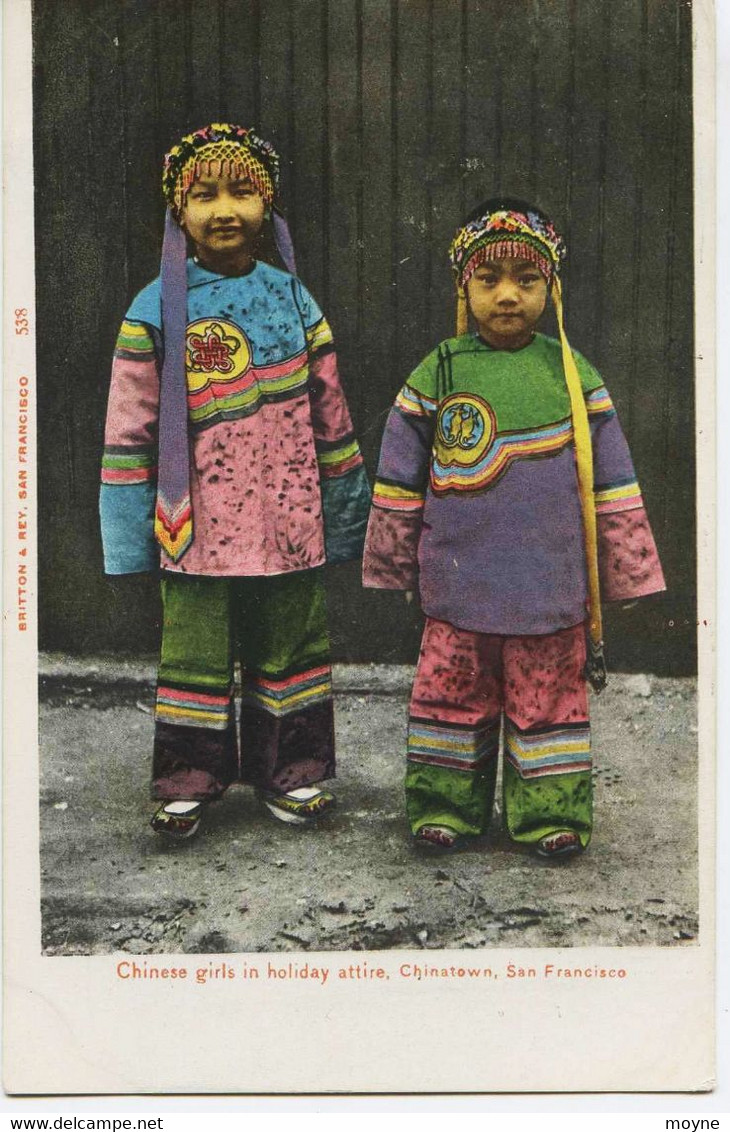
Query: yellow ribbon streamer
point(584, 463)
point(462, 318)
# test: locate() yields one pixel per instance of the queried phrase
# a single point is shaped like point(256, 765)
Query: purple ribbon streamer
point(174, 458)
point(284, 244)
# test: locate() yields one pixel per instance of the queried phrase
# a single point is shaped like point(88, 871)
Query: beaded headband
point(506, 232)
point(218, 150)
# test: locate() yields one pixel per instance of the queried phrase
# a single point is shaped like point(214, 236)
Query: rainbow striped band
point(451, 746)
point(337, 457)
point(395, 497)
point(622, 496)
point(289, 693)
point(415, 404)
point(191, 706)
point(229, 400)
point(319, 336)
point(504, 450)
point(126, 464)
point(134, 342)
point(561, 749)
point(599, 403)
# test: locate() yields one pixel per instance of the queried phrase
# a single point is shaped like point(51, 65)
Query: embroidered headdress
point(217, 150)
point(504, 227)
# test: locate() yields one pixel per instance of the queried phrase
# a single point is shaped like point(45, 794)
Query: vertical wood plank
point(675, 508)
point(240, 59)
point(590, 28)
point(276, 85)
point(652, 311)
point(482, 102)
point(626, 82)
point(107, 297)
point(446, 160)
point(66, 250)
point(679, 518)
point(168, 27)
point(344, 176)
point(678, 361)
point(140, 146)
point(413, 109)
point(308, 207)
point(551, 98)
point(380, 379)
point(516, 44)
point(205, 60)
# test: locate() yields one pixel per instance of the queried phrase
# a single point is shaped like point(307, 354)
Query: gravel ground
point(248, 883)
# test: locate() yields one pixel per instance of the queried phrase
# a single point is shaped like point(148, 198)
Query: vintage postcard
point(359, 525)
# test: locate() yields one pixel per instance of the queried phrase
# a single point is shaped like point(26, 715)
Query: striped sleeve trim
point(134, 342)
point(336, 458)
point(415, 404)
point(599, 403)
point(135, 464)
point(623, 496)
point(396, 497)
point(319, 336)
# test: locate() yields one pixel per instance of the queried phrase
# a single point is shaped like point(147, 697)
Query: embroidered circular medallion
point(465, 427)
point(215, 350)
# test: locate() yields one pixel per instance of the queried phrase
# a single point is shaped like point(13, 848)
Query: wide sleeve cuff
point(390, 560)
point(628, 561)
point(127, 528)
point(345, 506)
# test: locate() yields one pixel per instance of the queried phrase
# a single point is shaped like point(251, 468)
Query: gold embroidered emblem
point(216, 350)
point(465, 428)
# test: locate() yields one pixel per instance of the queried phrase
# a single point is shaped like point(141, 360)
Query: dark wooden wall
point(394, 117)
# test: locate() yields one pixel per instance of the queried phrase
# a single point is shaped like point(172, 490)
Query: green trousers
point(277, 628)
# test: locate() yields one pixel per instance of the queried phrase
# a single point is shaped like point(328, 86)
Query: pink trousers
point(471, 689)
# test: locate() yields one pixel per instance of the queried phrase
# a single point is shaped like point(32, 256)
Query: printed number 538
point(21, 320)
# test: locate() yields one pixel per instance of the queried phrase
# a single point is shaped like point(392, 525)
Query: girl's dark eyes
point(493, 280)
point(202, 194)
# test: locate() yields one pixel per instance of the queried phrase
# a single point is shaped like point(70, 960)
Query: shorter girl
point(506, 489)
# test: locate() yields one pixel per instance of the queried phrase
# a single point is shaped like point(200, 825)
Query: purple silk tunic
point(477, 502)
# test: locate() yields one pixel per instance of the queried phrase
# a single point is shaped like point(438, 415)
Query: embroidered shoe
point(299, 807)
point(439, 837)
point(564, 843)
point(178, 820)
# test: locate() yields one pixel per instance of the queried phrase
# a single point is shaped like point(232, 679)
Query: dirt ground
point(248, 883)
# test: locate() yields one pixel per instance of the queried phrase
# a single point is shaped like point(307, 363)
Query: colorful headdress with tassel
point(217, 150)
point(506, 227)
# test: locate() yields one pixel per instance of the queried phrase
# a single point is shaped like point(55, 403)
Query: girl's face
point(223, 217)
point(507, 297)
